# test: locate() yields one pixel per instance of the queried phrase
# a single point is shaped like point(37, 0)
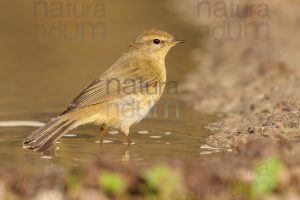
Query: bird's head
point(154, 42)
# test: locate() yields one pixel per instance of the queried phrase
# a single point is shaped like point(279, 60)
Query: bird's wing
point(111, 86)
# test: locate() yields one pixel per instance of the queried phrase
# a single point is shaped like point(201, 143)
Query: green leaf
point(265, 177)
point(162, 182)
point(111, 183)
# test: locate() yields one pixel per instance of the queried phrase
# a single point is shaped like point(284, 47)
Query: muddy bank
point(248, 67)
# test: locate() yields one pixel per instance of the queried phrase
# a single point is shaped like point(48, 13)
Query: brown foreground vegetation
point(260, 169)
point(250, 82)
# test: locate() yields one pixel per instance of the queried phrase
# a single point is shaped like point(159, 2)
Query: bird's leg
point(102, 131)
point(126, 133)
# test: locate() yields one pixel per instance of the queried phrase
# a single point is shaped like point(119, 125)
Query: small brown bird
point(120, 97)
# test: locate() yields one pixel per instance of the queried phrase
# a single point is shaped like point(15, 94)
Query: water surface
point(154, 139)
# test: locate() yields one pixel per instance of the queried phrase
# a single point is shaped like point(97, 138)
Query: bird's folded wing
point(110, 86)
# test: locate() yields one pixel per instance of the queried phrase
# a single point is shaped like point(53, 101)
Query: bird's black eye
point(156, 41)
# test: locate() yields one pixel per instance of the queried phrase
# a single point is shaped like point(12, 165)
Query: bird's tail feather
point(43, 138)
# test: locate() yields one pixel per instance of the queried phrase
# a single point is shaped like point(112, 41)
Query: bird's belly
point(128, 110)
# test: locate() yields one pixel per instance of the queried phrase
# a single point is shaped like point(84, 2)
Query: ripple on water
point(69, 135)
point(104, 141)
point(155, 136)
point(143, 132)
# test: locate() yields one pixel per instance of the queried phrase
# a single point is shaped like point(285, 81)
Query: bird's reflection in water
point(106, 150)
point(126, 156)
point(50, 153)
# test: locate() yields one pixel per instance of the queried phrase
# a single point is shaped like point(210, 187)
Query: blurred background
point(52, 49)
point(238, 77)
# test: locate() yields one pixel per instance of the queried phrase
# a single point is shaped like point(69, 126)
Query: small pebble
point(250, 130)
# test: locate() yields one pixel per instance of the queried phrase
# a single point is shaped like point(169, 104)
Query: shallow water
point(40, 76)
point(154, 139)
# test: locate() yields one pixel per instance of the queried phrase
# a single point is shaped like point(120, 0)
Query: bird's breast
point(129, 110)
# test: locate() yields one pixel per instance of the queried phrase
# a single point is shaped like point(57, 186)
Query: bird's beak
point(178, 41)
